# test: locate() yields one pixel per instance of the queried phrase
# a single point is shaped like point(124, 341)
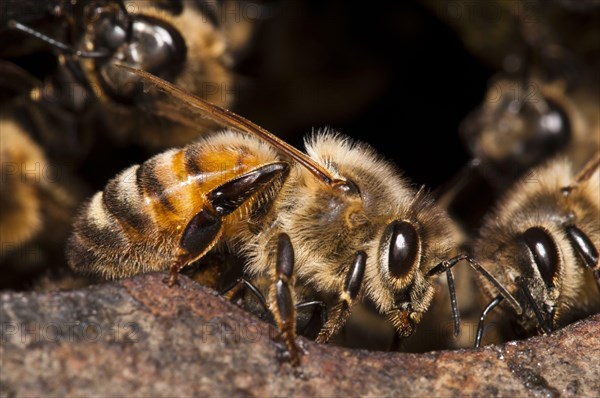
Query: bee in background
point(334, 227)
point(180, 41)
point(541, 242)
point(523, 123)
point(542, 103)
point(53, 111)
point(195, 56)
point(34, 199)
point(19, 195)
point(519, 126)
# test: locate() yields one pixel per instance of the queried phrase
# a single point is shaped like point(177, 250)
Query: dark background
point(389, 73)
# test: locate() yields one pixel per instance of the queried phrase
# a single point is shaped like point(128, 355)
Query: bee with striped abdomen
point(335, 226)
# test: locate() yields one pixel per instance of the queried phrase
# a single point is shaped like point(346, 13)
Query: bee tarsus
point(351, 288)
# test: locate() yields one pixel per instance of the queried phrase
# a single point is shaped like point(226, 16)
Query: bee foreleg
point(251, 287)
point(341, 311)
point(282, 298)
point(199, 236)
point(205, 228)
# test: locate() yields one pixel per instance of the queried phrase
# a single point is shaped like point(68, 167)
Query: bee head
point(401, 249)
point(408, 249)
point(516, 128)
point(140, 41)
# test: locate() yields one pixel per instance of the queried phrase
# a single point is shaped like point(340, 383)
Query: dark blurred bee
point(522, 124)
point(337, 225)
point(541, 242)
point(38, 192)
point(542, 102)
point(560, 36)
point(22, 164)
point(37, 203)
point(180, 41)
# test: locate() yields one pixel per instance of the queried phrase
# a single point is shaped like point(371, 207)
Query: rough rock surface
point(137, 337)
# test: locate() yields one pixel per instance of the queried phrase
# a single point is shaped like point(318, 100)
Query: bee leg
point(318, 305)
point(249, 285)
point(492, 304)
point(341, 311)
point(205, 228)
point(447, 267)
point(199, 236)
point(282, 298)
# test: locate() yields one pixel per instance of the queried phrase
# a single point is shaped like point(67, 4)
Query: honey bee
point(180, 41)
point(541, 242)
point(542, 102)
point(336, 224)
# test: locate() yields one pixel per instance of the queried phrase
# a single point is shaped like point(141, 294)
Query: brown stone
point(137, 337)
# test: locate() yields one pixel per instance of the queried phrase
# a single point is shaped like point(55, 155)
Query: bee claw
point(288, 351)
point(171, 280)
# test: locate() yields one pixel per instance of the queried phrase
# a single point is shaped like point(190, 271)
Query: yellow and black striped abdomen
point(135, 224)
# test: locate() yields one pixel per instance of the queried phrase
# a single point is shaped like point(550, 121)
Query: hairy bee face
point(541, 244)
point(401, 231)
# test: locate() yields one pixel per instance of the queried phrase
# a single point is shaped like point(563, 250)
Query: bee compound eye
point(155, 47)
point(583, 246)
point(554, 127)
point(161, 44)
point(403, 249)
point(544, 251)
point(108, 32)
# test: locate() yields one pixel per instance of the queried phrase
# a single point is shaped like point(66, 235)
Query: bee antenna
point(12, 24)
point(447, 264)
point(453, 302)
